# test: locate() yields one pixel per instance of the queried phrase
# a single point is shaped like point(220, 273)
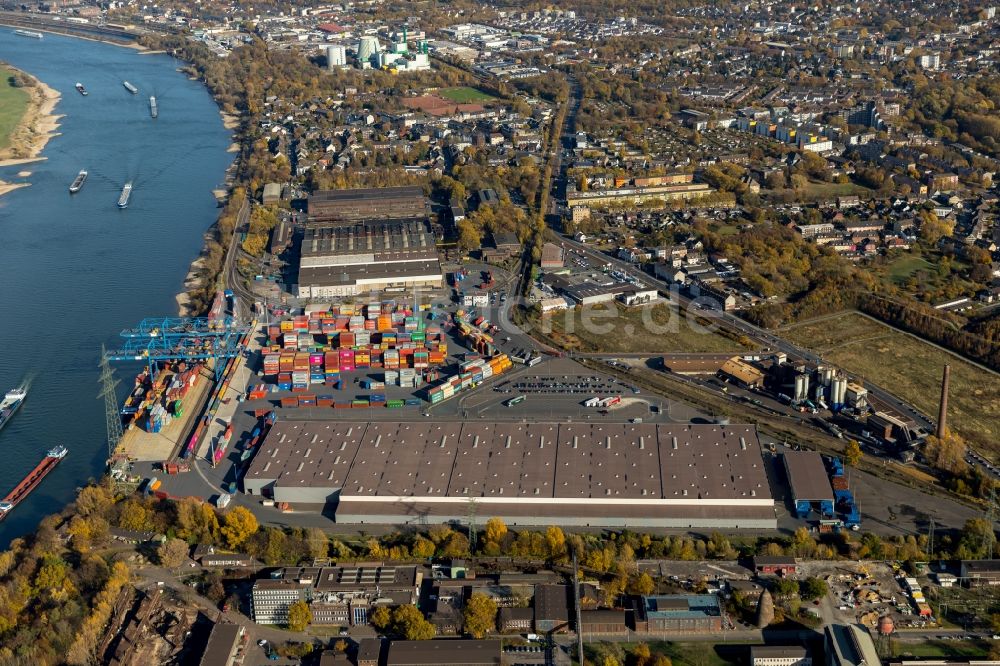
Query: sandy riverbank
point(6, 187)
point(38, 125)
point(229, 121)
point(195, 277)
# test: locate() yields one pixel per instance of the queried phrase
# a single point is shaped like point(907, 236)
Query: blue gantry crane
point(191, 339)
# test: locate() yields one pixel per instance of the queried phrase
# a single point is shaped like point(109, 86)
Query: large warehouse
point(348, 206)
point(809, 482)
point(366, 257)
point(610, 475)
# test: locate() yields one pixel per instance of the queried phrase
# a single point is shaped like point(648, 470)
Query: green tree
point(480, 615)
point(813, 588)
point(240, 525)
point(299, 616)
point(852, 453)
point(785, 587)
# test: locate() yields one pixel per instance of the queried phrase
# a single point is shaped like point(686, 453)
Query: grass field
point(465, 95)
point(937, 648)
point(616, 329)
point(911, 368)
point(13, 103)
point(902, 268)
point(816, 191)
point(688, 654)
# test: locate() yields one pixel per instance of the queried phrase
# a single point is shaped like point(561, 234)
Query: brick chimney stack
point(942, 423)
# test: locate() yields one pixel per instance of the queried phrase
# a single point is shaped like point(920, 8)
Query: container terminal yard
point(390, 412)
point(410, 395)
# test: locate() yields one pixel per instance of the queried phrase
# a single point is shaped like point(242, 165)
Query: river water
point(74, 269)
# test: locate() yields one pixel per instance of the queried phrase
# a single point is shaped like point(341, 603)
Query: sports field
point(465, 95)
point(912, 369)
point(13, 103)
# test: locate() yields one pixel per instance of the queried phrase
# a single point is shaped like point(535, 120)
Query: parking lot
point(566, 384)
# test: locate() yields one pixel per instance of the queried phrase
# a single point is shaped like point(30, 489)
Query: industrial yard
point(912, 368)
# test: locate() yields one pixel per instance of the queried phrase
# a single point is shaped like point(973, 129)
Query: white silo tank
point(801, 388)
point(336, 56)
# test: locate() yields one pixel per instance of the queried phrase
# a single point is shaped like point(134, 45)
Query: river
point(74, 269)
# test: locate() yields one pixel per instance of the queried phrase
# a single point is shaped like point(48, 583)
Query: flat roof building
point(367, 204)
point(849, 645)
point(552, 256)
point(679, 613)
point(779, 655)
point(444, 653)
point(223, 643)
point(580, 474)
point(809, 482)
point(341, 595)
point(364, 257)
point(980, 572)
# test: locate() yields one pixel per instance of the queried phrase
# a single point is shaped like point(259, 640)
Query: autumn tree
point(381, 618)
point(299, 616)
point(480, 615)
point(556, 542)
point(422, 547)
point(496, 530)
point(133, 515)
point(932, 228)
point(411, 624)
point(468, 236)
point(95, 499)
point(946, 453)
point(172, 553)
point(643, 584)
point(852, 453)
point(240, 525)
point(197, 521)
point(317, 542)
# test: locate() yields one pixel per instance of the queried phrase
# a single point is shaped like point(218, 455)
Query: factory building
point(375, 203)
point(342, 595)
point(741, 373)
point(571, 474)
point(678, 614)
point(809, 482)
point(366, 257)
point(980, 572)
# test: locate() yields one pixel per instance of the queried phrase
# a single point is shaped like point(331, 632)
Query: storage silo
point(801, 387)
point(839, 389)
point(336, 56)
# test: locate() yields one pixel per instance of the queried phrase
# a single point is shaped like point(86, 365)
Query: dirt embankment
point(37, 126)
